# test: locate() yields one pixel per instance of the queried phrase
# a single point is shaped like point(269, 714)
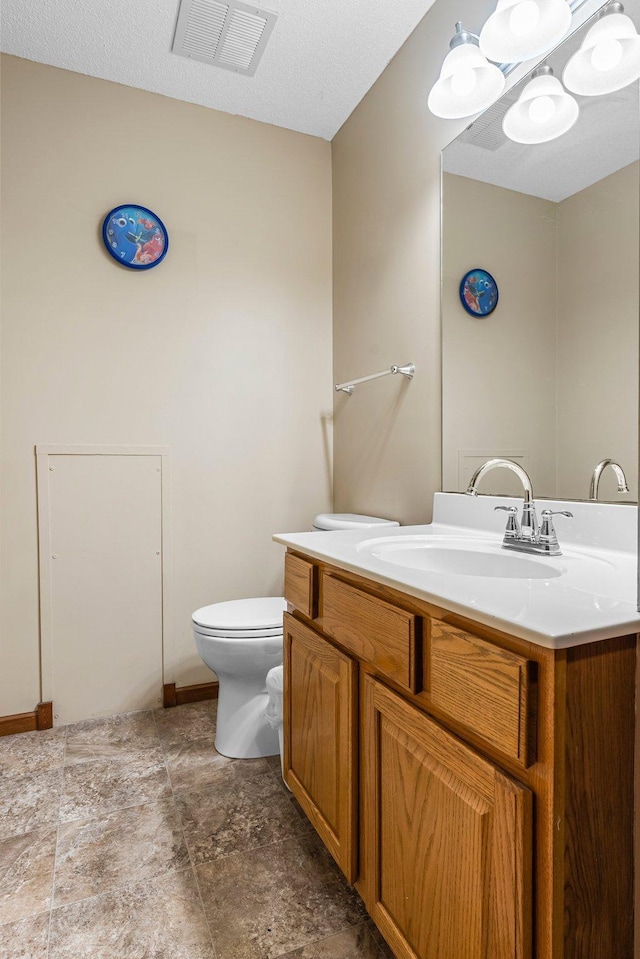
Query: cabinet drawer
point(374, 631)
point(301, 585)
point(489, 689)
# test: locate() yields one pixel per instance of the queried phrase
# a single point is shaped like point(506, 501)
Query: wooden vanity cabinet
point(477, 788)
point(321, 738)
point(448, 845)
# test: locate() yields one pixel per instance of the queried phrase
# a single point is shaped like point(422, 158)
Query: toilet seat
point(243, 618)
point(232, 634)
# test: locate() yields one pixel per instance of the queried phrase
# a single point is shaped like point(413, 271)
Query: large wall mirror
point(550, 377)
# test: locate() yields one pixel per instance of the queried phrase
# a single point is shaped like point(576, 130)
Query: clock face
point(135, 237)
point(478, 292)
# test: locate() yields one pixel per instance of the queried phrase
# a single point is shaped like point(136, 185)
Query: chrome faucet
point(524, 536)
point(597, 473)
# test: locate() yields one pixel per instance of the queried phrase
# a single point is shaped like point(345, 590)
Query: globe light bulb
point(606, 55)
point(463, 82)
point(524, 18)
point(609, 58)
point(541, 109)
point(518, 30)
point(468, 83)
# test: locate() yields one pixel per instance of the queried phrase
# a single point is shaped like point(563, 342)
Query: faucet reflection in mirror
point(597, 473)
point(526, 536)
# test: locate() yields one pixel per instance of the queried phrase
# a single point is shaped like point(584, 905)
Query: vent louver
point(230, 35)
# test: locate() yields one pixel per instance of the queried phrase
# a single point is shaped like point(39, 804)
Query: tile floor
point(131, 838)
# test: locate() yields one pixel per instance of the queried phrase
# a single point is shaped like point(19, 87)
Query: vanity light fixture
point(468, 83)
point(543, 112)
point(609, 58)
point(520, 29)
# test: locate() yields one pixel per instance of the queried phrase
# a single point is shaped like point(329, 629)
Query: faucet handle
point(547, 530)
point(513, 526)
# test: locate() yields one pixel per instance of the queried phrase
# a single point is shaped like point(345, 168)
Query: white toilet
point(241, 641)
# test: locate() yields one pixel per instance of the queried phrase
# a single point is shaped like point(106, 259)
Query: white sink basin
point(462, 557)
point(457, 563)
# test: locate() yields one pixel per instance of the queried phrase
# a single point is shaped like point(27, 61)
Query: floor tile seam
point(96, 720)
point(54, 821)
point(8, 777)
point(53, 878)
point(169, 870)
point(315, 942)
point(117, 889)
point(117, 809)
point(55, 851)
point(191, 863)
point(125, 757)
point(163, 745)
point(88, 821)
point(128, 753)
point(108, 811)
point(179, 792)
point(26, 832)
point(11, 779)
point(249, 849)
point(31, 915)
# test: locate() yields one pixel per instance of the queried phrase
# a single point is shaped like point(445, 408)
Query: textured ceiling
point(320, 61)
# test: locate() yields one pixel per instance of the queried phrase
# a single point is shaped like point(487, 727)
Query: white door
point(105, 584)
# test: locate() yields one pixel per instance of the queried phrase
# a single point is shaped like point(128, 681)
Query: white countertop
point(590, 593)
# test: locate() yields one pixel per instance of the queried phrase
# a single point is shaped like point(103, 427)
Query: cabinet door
point(447, 866)
point(320, 738)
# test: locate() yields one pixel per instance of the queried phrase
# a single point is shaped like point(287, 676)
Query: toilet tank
point(328, 521)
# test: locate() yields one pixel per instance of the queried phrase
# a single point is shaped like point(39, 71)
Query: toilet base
point(242, 732)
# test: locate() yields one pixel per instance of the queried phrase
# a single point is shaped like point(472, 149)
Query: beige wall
point(386, 209)
point(598, 257)
point(499, 372)
point(222, 352)
point(386, 242)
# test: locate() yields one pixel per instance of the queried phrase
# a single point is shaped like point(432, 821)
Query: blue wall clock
point(478, 292)
point(135, 237)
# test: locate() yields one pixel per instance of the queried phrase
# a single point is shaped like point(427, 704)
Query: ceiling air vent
point(486, 132)
point(230, 35)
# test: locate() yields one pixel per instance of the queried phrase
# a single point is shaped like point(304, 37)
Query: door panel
point(320, 751)
point(447, 853)
point(105, 518)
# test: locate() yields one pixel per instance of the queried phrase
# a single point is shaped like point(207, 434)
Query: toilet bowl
point(241, 641)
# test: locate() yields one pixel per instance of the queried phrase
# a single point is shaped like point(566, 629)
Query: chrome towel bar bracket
point(407, 370)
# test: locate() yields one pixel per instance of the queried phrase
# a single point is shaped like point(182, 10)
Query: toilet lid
point(350, 521)
point(242, 614)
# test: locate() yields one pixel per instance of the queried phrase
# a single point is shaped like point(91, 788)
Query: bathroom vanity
point(468, 764)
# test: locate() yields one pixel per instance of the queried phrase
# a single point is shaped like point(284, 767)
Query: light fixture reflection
point(609, 58)
point(543, 112)
point(468, 83)
point(520, 29)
